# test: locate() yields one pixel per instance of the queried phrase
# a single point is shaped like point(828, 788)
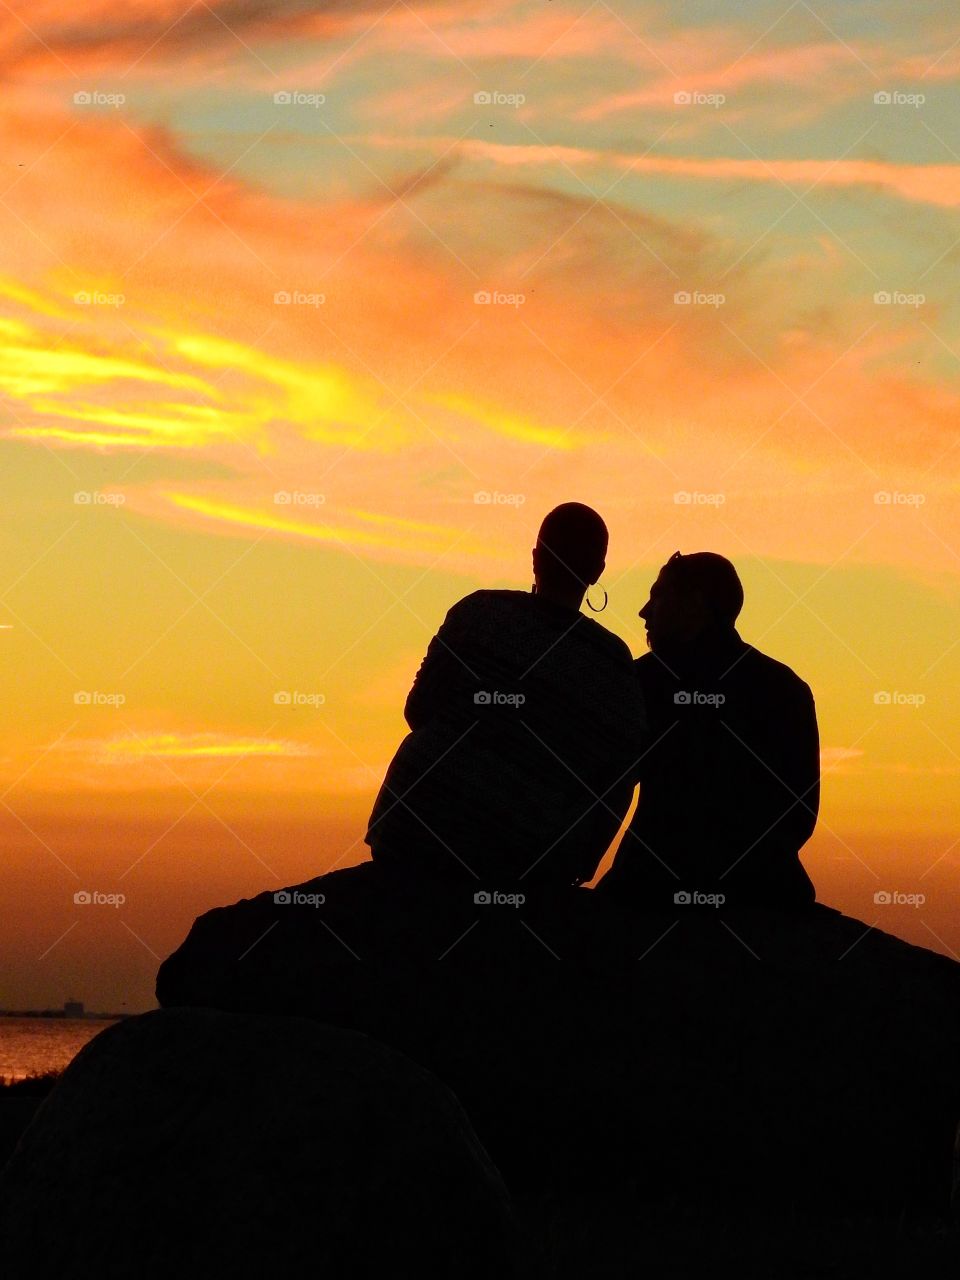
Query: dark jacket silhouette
point(730, 788)
point(526, 723)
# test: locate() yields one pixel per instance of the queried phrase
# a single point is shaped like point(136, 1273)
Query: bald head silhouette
point(570, 552)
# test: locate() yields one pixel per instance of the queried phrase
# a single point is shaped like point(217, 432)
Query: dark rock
point(15, 1114)
point(192, 1142)
point(797, 1055)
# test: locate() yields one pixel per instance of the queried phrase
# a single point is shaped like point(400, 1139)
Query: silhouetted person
point(729, 790)
point(526, 722)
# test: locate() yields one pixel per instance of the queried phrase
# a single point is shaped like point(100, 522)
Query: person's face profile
point(670, 614)
point(655, 613)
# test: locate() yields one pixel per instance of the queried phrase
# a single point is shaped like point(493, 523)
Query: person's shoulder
point(652, 672)
point(776, 672)
point(481, 601)
point(487, 596)
point(505, 596)
point(490, 607)
point(605, 639)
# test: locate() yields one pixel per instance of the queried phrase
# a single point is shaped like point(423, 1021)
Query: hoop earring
point(593, 606)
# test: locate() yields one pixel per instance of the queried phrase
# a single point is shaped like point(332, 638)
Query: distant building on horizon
point(73, 1009)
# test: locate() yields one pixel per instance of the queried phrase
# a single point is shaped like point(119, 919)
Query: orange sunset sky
point(308, 314)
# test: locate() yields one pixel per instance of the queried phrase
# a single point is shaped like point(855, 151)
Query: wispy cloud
point(196, 746)
point(359, 530)
point(934, 184)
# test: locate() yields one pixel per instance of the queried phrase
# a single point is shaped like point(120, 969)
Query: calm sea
point(31, 1046)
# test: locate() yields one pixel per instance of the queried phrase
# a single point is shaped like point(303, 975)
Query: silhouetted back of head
point(713, 576)
point(571, 546)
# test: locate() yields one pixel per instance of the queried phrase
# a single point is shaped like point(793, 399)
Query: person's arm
point(443, 673)
point(798, 767)
point(637, 721)
point(808, 767)
point(628, 737)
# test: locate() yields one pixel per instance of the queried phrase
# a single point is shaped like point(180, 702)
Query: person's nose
point(644, 612)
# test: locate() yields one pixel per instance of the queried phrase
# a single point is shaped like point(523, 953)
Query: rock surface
point(15, 1115)
point(193, 1143)
point(800, 1056)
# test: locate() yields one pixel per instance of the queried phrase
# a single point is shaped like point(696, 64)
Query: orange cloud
point(398, 396)
point(60, 38)
point(199, 746)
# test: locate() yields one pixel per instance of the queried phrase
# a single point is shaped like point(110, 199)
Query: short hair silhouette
point(572, 545)
point(713, 576)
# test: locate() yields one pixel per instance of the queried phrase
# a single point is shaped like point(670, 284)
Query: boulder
point(801, 1056)
point(194, 1142)
point(15, 1114)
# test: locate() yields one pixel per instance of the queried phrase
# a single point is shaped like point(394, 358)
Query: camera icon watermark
point(298, 498)
point(697, 498)
point(297, 298)
point(894, 898)
point(494, 498)
point(898, 498)
point(494, 698)
point(94, 898)
point(897, 98)
point(95, 98)
point(296, 98)
point(694, 898)
point(494, 98)
point(97, 298)
point(487, 898)
point(898, 298)
point(296, 898)
point(296, 698)
point(696, 698)
point(97, 498)
point(498, 298)
point(695, 98)
point(96, 698)
point(698, 298)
